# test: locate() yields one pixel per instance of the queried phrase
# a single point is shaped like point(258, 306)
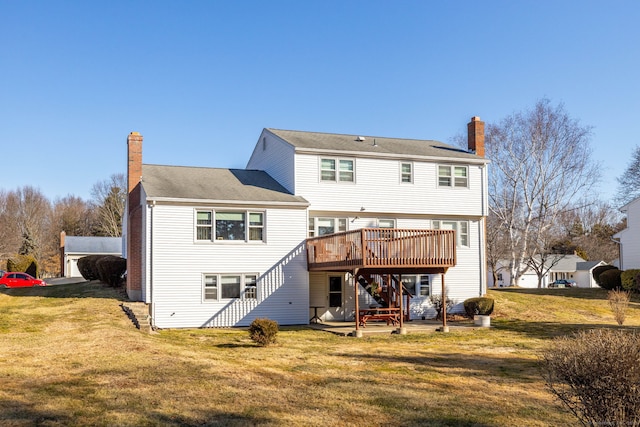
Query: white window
point(340, 170)
point(418, 285)
point(256, 226)
point(229, 226)
point(386, 223)
point(452, 176)
point(204, 225)
point(250, 286)
point(406, 173)
point(322, 226)
point(210, 287)
point(461, 228)
point(230, 286)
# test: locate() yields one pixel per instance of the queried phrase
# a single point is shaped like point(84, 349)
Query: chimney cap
point(475, 118)
point(134, 133)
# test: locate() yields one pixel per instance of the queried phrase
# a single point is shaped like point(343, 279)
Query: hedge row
point(610, 278)
point(108, 269)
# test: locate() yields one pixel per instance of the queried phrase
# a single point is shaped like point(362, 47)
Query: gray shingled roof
point(372, 145)
point(92, 245)
point(214, 184)
point(587, 265)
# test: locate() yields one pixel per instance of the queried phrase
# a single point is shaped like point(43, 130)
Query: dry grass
point(71, 357)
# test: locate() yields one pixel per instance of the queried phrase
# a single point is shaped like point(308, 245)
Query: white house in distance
point(629, 238)
point(313, 220)
point(569, 267)
point(72, 248)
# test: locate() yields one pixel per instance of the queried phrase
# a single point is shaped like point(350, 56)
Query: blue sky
point(200, 79)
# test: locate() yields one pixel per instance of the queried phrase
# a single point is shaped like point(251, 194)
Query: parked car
point(19, 280)
point(562, 283)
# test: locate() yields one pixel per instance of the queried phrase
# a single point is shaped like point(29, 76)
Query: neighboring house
point(72, 248)
point(629, 238)
point(570, 267)
point(312, 221)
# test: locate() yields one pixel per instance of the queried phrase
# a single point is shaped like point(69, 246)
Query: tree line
point(30, 223)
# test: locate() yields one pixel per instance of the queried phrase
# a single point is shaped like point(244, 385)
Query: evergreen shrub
point(87, 266)
point(478, 306)
point(599, 270)
point(610, 279)
point(23, 264)
point(630, 280)
point(111, 268)
point(263, 331)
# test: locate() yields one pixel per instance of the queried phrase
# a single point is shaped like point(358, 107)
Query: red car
point(19, 280)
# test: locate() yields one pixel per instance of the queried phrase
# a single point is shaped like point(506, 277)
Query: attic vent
point(360, 138)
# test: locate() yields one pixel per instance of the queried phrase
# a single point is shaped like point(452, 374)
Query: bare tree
point(10, 233)
point(540, 166)
point(72, 215)
point(497, 248)
point(588, 229)
point(109, 199)
point(629, 181)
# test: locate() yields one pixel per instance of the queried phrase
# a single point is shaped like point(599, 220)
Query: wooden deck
point(383, 249)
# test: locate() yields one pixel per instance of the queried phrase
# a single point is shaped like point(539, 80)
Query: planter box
point(483, 321)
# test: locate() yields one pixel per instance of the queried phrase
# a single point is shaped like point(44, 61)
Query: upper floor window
point(229, 225)
point(340, 170)
point(406, 173)
point(230, 286)
point(452, 176)
point(322, 226)
point(461, 228)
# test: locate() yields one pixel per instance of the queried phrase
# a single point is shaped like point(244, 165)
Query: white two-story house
point(313, 220)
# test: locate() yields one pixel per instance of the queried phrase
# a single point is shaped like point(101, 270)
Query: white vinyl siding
point(377, 188)
point(281, 292)
point(276, 157)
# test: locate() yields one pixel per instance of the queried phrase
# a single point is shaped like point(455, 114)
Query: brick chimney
point(475, 130)
point(134, 160)
point(134, 217)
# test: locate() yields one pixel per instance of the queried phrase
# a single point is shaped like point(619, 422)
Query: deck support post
point(444, 304)
point(356, 291)
point(401, 308)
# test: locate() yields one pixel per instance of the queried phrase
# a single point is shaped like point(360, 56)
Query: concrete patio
point(413, 326)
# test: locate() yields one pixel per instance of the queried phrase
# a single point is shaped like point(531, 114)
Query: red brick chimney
point(475, 130)
point(134, 159)
point(134, 217)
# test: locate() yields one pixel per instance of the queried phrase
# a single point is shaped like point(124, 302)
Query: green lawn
point(70, 356)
